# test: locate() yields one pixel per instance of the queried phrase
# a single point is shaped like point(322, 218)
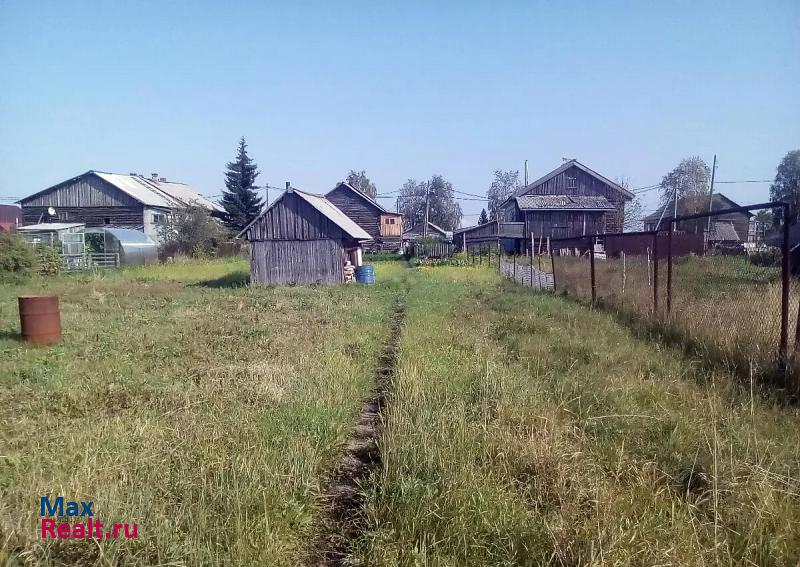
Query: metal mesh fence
point(730, 294)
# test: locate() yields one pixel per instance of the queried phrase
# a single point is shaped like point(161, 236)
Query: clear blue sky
point(401, 89)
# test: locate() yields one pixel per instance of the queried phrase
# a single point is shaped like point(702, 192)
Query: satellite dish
point(51, 211)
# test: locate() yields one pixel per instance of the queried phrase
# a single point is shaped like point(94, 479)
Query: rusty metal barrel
point(40, 319)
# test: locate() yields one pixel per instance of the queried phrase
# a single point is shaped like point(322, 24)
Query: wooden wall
point(131, 216)
point(585, 185)
point(84, 191)
point(281, 262)
point(294, 219)
point(366, 215)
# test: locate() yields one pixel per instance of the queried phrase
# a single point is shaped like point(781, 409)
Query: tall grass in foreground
point(527, 430)
point(207, 414)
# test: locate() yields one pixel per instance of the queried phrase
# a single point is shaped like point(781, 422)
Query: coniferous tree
point(240, 198)
point(484, 218)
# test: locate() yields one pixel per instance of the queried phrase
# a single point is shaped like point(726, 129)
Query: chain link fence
point(697, 277)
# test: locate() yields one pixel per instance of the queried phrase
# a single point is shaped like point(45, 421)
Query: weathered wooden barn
point(97, 199)
point(730, 227)
point(383, 226)
point(302, 238)
point(489, 236)
point(572, 200)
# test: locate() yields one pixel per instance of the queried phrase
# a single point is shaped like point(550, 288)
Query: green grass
point(207, 414)
point(522, 428)
point(526, 430)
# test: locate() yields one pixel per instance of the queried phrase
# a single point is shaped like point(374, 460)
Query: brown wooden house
point(114, 200)
point(302, 238)
point(571, 200)
point(385, 227)
point(737, 226)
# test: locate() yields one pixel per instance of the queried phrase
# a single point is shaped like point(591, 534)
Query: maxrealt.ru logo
point(91, 528)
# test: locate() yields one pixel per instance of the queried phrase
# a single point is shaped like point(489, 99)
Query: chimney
point(162, 179)
point(132, 174)
point(154, 176)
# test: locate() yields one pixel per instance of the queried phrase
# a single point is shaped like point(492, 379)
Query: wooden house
point(115, 200)
point(489, 236)
point(572, 200)
point(10, 217)
point(302, 238)
point(434, 232)
point(385, 227)
point(737, 226)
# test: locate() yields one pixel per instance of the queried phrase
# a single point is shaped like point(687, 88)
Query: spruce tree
point(484, 218)
point(240, 198)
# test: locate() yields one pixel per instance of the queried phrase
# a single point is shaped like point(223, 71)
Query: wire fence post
point(655, 274)
point(783, 347)
point(592, 241)
point(499, 255)
point(552, 264)
point(669, 267)
point(514, 257)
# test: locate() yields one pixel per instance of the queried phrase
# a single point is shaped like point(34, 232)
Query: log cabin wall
point(575, 181)
point(368, 216)
point(294, 243)
point(132, 216)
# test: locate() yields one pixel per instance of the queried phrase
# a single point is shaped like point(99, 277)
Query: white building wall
point(152, 223)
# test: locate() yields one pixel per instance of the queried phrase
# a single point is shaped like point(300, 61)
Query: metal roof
point(325, 207)
point(154, 193)
point(564, 202)
point(124, 235)
point(334, 214)
point(187, 195)
point(51, 226)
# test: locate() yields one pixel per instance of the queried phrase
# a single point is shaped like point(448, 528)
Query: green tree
point(360, 181)
point(191, 231)
point(502, 187)
point(786, 188)
point(240, 198)
point(443, 209)
point(484, 218)
point(690, 183)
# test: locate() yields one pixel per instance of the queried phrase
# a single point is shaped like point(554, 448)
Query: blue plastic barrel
point(365, 274)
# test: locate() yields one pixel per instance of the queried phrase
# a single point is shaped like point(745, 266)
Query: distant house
point(486, 237)
point(302, 238)
point(729, 228)
point(10, 217)
point(383, 226)
point(572, 200)
point(435, 232)
point(98, 199)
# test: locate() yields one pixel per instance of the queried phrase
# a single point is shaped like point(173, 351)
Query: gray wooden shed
point(302, 238)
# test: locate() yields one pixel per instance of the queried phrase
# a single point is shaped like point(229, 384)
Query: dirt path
point(342, 519)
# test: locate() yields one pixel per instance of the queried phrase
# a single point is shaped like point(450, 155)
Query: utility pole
point(711, 195)
point(427, 206)
point(526, 173)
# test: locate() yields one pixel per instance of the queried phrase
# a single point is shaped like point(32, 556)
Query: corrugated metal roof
point(186, 194)
point(51, 226)
point(334, 214)
point(564, 202)
point(140, 189)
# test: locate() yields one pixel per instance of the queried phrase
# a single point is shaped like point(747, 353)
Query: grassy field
point(522, 428)
point(206, 413)
point(726, 305)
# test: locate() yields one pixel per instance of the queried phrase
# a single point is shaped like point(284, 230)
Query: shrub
point(768, 257)
point(382, 255)
point(17, 258)
point(191, 232)
point(48, 260)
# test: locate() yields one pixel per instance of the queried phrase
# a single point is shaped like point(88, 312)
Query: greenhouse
point(133, 247)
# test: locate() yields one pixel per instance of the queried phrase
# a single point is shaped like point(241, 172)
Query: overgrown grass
point(205, 411)
point(525, 429)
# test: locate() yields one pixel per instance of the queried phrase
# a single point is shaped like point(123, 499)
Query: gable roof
point(149, 192)
point(364, 196)
point(719, 202)
point(723, 231)
point(565, 166)
point(563, 202)
point(325, 207)
point(418, 229)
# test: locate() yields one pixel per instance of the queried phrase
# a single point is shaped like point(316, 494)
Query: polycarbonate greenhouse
point(134, 247)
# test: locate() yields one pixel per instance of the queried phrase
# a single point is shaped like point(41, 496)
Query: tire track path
point(342, 518)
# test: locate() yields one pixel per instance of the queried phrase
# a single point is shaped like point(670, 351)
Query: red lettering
point(64, 530)
point(135, 533)
point(48, 526)
point(117, 528)
point(97, 527)
point(79, 531)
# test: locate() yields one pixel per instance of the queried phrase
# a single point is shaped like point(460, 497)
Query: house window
point(107, 220)
point(159, 218)
point(572, 182)
point(390, 221)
